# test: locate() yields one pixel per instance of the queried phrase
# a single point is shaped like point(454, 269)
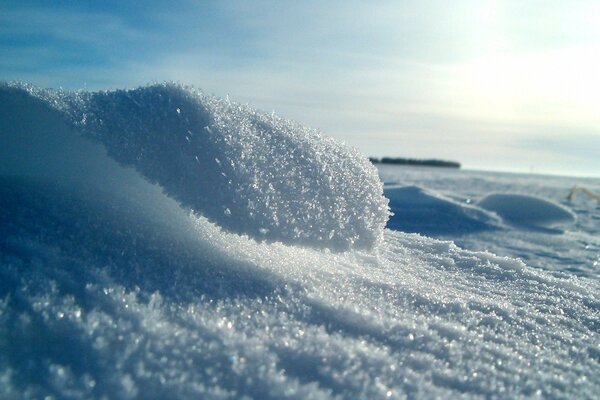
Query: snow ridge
point(250, 172)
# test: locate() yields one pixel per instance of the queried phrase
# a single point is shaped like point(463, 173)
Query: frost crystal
point(276, 180)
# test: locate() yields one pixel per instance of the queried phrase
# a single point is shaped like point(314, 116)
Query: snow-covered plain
point(533, 220)
point(113, 286)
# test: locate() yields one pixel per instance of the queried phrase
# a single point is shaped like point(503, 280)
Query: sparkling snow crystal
point(250, 172)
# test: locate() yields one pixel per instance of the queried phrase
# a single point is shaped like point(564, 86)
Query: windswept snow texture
point(418, 210)
point(110, 289)
point(101, 299)
point(527, 210)
point(249, 172)
point(572, 247)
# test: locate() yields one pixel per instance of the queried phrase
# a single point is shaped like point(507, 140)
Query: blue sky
point(505, 85)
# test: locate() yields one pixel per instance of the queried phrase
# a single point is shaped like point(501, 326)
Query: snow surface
point(527, 210)
point(249, 172)
point(419, 210)
point(571, 247)
point(109, 288)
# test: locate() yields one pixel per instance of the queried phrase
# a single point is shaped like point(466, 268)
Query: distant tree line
point(413, 161)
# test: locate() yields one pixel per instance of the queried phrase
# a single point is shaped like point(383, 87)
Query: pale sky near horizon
point(502, 85)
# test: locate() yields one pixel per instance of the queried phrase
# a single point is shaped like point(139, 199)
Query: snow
point(424, 211)
point(110, 288)
point(527, 210)
point(249, 172)
point(570, 247)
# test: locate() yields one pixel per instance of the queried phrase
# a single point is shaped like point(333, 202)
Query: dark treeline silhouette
point(412, 161)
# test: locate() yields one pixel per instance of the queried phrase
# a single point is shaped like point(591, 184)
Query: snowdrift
point(419, 210)
point(110, 288)
point(527, 210)
point(249, 172)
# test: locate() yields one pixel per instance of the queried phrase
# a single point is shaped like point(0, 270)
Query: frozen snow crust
point(249, 172)
point(110, 289)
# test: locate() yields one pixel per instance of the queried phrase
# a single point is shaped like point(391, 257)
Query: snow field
point(145, 312)
point(108, 288)
point(445, 204)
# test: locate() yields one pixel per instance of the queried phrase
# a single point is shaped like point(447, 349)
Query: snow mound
point(527, 210)
point(419, 210)
point(249, 172)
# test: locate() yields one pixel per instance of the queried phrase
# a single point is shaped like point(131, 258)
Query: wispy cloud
point(465, 80)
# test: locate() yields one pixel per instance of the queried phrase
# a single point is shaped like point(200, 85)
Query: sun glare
point(564, 82)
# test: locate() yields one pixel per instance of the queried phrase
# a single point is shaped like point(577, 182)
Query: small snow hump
point(250, 172)
point(424, 211)
point(527, 210)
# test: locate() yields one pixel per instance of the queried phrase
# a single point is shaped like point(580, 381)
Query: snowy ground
point(110, 288)
point(572, 246)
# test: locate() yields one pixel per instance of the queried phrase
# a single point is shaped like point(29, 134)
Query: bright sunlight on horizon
point(495, 85)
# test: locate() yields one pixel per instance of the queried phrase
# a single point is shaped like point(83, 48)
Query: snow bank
point(527, 210)
point(249, 172)
point(109, 289)
point(423, 211)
